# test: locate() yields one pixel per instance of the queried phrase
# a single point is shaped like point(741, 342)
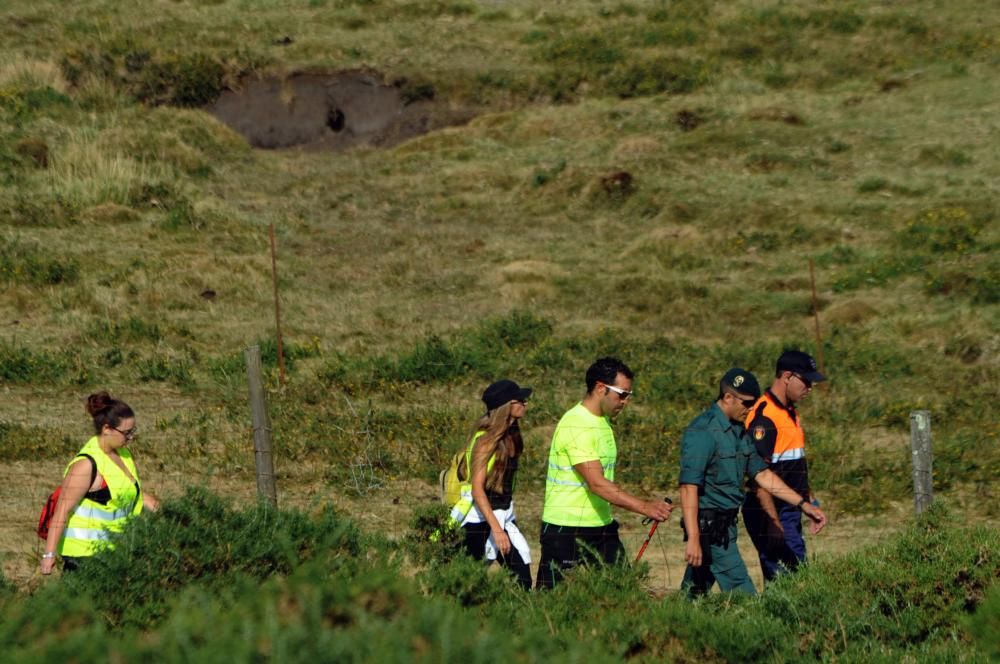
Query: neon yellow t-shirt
point(580, 436)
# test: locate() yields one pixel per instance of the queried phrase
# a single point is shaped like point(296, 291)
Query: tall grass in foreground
point(201, 580)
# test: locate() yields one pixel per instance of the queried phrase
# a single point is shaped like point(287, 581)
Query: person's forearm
point(617, 496)
point(483, 503)
point(689, 507)
point(774, 485)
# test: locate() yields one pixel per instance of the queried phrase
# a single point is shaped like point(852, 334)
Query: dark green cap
point(742, 381)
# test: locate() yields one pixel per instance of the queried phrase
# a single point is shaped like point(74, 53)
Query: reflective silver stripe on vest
point(555, 466)
point(87, 534)
point(99, 514)
point(790, 455)
point(553, 480)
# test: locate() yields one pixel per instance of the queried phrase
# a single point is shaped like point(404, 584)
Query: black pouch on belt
point(707, 519)
point(714, 526)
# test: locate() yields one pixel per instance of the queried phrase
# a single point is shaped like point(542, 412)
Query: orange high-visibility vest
point(790, 443)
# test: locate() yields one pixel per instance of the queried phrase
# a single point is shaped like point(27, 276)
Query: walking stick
point(652, 530)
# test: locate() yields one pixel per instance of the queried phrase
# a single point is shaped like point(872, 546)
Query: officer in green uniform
point(715, 456)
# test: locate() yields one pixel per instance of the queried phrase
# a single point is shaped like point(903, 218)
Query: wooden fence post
point(277, 308)
point(266, 487)
point(920, 442)
point(815, 303)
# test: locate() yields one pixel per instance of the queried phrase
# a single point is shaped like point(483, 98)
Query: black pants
point(565, 547)
point(72, 563)
point(476, 535)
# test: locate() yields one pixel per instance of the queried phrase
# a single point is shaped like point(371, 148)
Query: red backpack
point(50, 505)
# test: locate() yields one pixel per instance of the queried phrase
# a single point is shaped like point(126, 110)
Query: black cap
point(801, 363)
point(503, 391)
point(742, 381)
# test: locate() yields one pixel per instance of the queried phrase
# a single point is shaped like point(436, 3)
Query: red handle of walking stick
point(652, 530)
point(646, 543)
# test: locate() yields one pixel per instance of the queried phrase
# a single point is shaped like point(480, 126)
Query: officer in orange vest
point(775, 428)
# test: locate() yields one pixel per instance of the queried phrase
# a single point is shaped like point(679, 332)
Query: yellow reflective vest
point(460, 509)
point(90, 524)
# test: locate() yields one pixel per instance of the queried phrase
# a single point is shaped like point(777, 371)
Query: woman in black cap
point(486, 507)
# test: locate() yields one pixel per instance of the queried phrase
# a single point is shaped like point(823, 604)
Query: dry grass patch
point(22, 72)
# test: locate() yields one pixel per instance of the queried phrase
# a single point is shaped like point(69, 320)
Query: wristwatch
point(801, 503)
point(49, 554)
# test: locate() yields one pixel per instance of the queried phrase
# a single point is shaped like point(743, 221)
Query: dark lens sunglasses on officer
point(805, 381)
point(747, 403)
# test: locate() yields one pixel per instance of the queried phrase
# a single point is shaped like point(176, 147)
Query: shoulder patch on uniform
point(758, 432)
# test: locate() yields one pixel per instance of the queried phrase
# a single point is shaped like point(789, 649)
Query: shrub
point(228, 367)
point(200, 539)
point(588, 50)
point(30, 103)
point(984, 624)
point(188, 79)
point(433, 538)
point(28, 265)
point(920, 586)
point(6, 587)
point(673, 75)
point(19, 364)
point(159, 368)
point(946, 229)
point(133, 329)
point(26, 442)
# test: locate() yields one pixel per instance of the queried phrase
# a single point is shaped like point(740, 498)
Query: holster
point(713, 526)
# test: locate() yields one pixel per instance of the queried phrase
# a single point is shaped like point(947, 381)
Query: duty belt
point(713, 526)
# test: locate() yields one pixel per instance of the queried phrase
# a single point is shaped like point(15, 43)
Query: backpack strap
point(93, 469)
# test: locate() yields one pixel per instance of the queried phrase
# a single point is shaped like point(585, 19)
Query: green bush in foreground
point(202, 581)
point(985, 625)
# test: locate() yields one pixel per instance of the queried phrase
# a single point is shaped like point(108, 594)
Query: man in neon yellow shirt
point(579, 489)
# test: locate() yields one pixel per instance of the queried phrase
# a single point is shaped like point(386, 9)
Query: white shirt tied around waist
point(506, 518)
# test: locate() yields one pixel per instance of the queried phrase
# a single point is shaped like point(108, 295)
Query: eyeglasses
point(129, 434)
point(747, 403)
point(807, 383)
point(622, 394)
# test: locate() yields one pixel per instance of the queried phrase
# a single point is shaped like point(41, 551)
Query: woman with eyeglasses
point(100, 490)
point(485, 509)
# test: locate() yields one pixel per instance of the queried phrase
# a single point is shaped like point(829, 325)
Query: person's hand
point(692, 551)
point(47, 565)
point(815, 515)
point(775, 535)
point(502, 542)
point(658, 510)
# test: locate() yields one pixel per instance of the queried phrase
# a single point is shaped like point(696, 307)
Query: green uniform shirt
point(715, 455)
point(580, 436)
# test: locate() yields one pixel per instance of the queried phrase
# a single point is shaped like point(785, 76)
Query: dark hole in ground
point(335, 119)
point(330, 111)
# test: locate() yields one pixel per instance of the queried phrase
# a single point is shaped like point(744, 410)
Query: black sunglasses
point(747, 403)
point(805, 381)
point(129, 434)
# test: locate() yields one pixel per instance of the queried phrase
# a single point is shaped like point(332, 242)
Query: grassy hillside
point(649, 179)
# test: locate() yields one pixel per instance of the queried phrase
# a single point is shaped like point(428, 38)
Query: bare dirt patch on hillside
point(332, 111)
